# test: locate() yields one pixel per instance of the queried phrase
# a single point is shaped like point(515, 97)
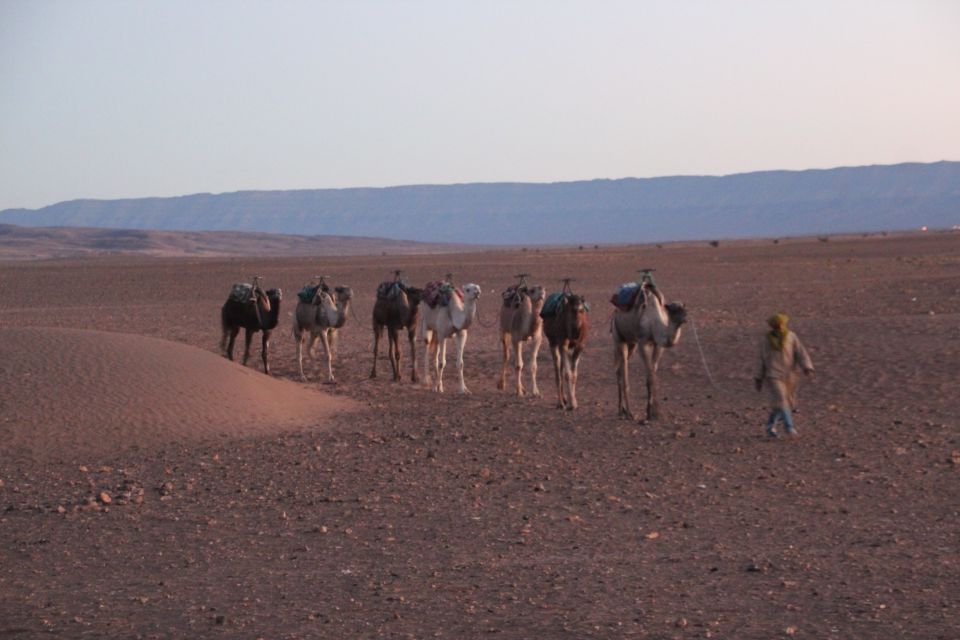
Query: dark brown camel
point(260, 314)
point(397, 307)
point(566, 330)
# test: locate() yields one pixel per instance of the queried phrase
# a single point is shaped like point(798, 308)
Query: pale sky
point(133, 99)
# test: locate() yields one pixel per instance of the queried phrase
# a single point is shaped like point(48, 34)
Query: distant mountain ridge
point(768, 203)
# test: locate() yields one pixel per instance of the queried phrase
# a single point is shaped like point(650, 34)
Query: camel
point(653, 325)
point(260, 313)
point(520, 322)
point(441, 322)
point(397, 307)
point(319, 318)
point(566, 327)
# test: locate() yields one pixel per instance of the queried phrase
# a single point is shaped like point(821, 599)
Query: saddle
point(439, 293)
point(511, 296)
point(627, 295)
point(310, 291)
point(554, 305)
point(241, 292)
point(390, 289)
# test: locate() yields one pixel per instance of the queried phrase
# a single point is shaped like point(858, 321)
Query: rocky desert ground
point(149, 488)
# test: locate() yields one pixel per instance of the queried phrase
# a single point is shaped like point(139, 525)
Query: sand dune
point(69, 393)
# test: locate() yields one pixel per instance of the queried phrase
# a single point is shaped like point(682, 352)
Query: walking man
point(781, 353)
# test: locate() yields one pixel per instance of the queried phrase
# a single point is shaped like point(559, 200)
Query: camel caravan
point(641, 320)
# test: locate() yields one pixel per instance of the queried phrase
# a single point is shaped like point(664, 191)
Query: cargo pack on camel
point(241, 292)
point(630, 295)
point(439, 293)
point(389, 290)
point(310, 293)
point(556, 303)
point(627, 296)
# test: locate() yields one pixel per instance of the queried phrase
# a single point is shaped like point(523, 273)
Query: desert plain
point(149, 488)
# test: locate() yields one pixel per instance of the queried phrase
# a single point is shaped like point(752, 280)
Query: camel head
point(576, 304)
point(535, 293)
point(676, 317)
point(344, 294)
point(414, 295)
point(471, 291)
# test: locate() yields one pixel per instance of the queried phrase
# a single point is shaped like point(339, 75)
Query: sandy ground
point(417, 515)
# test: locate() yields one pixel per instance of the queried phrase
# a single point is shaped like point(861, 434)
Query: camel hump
point(626, 296)
point(241, 292)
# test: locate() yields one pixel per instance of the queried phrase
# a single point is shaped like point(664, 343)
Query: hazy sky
point(129, 99)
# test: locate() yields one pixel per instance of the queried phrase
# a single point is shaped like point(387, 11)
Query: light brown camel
point(441, 322)
point(566, 326)
point(520, 322)
point(652, 325)
point(397, 307)
point(319, 319)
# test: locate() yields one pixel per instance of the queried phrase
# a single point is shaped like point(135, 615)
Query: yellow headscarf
point(778, 330)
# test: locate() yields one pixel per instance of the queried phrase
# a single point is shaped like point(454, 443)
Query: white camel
point(442, 322)
point(655, 327)
point(520, 322)
point(319, 319)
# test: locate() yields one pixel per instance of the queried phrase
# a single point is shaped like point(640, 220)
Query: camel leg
point(504, 343)
point(393, 350)
point(651, 359)
point(265, 352)
point(328, 352)
point(441, 361)
point(518, 350)
point(574, 367)
point(377, 334)
point(223, 340)
point(298, 338)
point(622, 357)
point(537, 339)
point(429, 364)
point(233, 339)
point(333, 340)
point(461, 339)
point(557, 373)
point(247, 337)
point(414, 378)
point(565, 376)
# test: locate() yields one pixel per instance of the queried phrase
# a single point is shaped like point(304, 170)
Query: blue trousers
point(783, 414)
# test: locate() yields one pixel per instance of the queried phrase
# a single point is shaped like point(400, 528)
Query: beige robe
point(778, 370)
